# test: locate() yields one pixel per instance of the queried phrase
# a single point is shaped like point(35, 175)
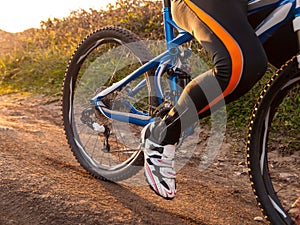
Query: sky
point(19, 15)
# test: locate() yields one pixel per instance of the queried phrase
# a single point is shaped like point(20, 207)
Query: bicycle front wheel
point(274, 147)
point(104, 58)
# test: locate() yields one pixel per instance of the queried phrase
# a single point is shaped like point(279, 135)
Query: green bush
point(39, 64)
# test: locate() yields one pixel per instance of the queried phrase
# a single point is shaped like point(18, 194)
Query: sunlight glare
point(18, 15)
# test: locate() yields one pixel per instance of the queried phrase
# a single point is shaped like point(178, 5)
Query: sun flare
point(18, 15)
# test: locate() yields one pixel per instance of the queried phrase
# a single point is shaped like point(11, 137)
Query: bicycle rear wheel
point(274, 147)
point(103, 58)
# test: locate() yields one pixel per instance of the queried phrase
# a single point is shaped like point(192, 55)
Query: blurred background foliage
point(38, 60)
point(35, 60)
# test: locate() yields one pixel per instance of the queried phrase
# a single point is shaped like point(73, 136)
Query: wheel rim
point(280, 158)
point(105, 63)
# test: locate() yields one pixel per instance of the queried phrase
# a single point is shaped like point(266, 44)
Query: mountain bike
point(115, 85)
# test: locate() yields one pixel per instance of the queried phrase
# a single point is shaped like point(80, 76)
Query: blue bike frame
point(283, 12)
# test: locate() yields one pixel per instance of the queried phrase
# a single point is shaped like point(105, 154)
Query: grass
point(37, 72)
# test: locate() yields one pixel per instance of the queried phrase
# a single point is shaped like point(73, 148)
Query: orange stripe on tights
point(232, 47)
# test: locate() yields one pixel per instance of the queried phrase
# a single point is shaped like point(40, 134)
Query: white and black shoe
point(159, 167)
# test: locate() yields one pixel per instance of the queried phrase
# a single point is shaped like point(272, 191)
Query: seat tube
point(296, 25)
point(169, 29)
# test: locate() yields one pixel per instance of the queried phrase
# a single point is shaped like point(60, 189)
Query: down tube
point(134, 116)
point(143, 69)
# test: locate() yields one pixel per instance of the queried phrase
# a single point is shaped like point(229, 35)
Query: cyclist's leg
point(222, 28)
point(240, 61)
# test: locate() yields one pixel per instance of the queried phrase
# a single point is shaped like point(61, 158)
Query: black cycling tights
point(221, 26)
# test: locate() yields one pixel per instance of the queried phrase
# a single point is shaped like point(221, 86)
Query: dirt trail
point(42, 183)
